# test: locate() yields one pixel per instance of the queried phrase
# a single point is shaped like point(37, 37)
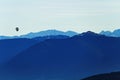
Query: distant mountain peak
point(88, 33)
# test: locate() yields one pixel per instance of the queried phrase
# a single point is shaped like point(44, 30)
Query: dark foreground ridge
point(107, 76)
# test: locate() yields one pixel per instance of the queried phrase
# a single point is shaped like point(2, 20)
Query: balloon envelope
point(17, 29)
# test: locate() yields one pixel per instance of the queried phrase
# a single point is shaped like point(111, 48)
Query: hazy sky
point(76, 15)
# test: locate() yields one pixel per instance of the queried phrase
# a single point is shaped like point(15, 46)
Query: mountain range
point(59, 57)
point(115, 33)
point(42, 34)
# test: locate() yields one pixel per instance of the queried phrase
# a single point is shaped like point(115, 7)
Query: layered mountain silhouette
point(115, 33)
point(11, 47)
point(41, 34)
point(70, 58)
point(106, 76)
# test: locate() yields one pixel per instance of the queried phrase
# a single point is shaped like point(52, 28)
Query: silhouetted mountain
point(115, 33)
point(107, 76)
point(15, 46)
point(66, 59)
point(11, 47)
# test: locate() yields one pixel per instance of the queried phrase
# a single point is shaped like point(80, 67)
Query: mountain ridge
point(115, 33)
point(42, 34)
point(68, 58)
point(105, 76)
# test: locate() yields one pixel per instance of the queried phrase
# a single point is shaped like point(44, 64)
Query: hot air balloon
point(17, 29)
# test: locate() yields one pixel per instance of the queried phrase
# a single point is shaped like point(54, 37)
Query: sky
point(74, 15)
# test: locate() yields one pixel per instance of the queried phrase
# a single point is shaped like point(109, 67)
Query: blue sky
point(76, 15)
